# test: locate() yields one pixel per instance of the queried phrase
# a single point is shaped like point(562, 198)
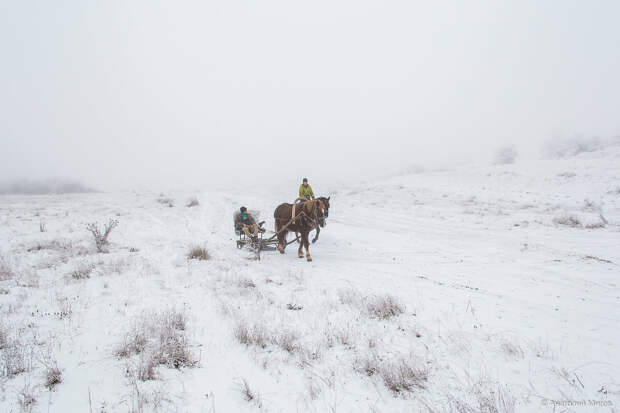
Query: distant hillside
point(52, 186)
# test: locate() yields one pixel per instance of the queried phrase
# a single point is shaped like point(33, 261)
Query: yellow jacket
point(306, 191)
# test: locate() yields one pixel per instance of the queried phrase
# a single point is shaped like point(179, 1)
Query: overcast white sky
point(124, 94)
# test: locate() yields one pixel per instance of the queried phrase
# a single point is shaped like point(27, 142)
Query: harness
point(313, 213)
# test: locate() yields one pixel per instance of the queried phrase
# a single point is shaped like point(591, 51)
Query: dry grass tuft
point(256, 335)
point(158, 339)
point(15, 354)
point(400, 375)
point(512, 350)
point(53, 377)
point(384, 306)
point(6, 269)
point(193, 202)
point(82, 271)
point(198, 253)
point(568, 220)
point(165, 201)
point(250, 395)
point(26, 399)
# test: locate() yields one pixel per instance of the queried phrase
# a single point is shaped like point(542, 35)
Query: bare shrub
point(384, 306)
point(250, 395)
point(101, 239)
point(158, 339)
point(198, 253)
point(568, 220)
point(192, 202)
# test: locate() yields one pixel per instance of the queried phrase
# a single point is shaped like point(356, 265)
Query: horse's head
point(325, 202)
point(322, 210)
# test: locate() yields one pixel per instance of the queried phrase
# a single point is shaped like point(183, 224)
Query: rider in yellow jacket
point(305, 190)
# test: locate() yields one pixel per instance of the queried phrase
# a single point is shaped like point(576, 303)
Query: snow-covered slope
point(476, 289)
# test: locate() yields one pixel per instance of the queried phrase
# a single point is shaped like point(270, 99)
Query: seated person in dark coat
point(247, 223)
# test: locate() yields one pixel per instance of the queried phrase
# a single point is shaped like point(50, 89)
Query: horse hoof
point(309, 259)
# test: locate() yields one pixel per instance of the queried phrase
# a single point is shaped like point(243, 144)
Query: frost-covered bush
point(506, 155)
point(101, 238)
point(169, 202)
point(192, 202)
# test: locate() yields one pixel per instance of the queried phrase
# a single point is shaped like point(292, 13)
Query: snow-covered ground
point(483, 288)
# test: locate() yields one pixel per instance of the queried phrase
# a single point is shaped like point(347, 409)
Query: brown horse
point(307, 216)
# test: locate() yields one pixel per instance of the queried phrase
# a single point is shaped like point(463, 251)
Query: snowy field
point(478, 289)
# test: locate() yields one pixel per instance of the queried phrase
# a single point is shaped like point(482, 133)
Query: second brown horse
point(307, 215)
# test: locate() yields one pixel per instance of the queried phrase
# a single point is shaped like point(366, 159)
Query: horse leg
point(282, 242)
point(281, 237)
point(316, 237)
point(306, 243)
point(300, 252)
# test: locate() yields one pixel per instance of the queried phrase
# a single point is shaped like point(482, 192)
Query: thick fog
point(196, 94)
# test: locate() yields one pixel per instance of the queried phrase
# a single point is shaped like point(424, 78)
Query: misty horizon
point(123, 96)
